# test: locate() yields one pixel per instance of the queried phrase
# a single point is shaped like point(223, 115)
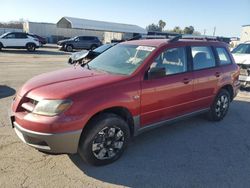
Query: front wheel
point(220, 106)
point(105, 140)
point(69, 48)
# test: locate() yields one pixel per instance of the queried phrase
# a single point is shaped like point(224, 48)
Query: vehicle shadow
point(37, 52)
point(6, 91)
point(191, 153)
point(247, 89)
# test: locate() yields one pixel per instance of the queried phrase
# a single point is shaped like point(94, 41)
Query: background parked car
point(79, 42)
point(242, 57)
point(19, 40)
point(85, 56)
point(42, 40)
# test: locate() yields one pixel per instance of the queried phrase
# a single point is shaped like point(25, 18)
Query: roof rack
point(194, 37)
point(200, 37)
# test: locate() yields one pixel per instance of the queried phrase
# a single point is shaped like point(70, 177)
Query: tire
point(1, 46)
point(104, 140)
point(93, 47)
point(69, 48)
point(220, 107)
point(31, 47)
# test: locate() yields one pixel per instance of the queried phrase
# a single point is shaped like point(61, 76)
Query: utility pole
point(214, 31)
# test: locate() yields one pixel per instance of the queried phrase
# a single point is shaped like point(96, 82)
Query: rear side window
point(86, 38)
point(174, 61)
point(202, 57)
point(21, 35)
point(223, 56)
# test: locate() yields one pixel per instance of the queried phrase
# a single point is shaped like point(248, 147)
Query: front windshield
point(121, 59)
point(73, 38)
point(242, 49)
point(3, 35)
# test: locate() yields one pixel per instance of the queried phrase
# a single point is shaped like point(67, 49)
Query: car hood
point(66, 82)
point(242, 58)
point(66, 40)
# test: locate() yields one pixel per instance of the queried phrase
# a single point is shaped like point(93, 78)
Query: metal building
point(245, 33)
point(68, 27)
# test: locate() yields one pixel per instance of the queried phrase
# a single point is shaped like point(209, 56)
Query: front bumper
point(60, 47)
point(244, 78)
point(51, 143)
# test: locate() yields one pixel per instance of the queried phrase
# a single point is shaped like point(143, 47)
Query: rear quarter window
point(223, 56)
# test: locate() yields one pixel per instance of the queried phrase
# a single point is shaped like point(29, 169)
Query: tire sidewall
point(69, 48)
point(213, 114)
point(33, 47)
point(85, 145)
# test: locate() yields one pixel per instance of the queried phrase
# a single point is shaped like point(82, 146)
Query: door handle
point(186, 80)
point(217, 74)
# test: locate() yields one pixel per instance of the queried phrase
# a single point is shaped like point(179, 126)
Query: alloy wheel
point(108, 143)
point(222, 105)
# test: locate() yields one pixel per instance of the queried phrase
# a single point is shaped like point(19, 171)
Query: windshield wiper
point(87, 64)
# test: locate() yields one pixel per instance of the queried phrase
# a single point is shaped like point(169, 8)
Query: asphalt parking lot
point(191, 153)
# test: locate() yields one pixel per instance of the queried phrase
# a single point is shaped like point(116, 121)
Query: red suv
point(136, 85)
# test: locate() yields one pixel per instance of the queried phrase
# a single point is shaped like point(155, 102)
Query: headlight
point(51, 107)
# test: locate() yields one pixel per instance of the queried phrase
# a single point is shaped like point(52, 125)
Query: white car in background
point(19, 40)
point(241, 55)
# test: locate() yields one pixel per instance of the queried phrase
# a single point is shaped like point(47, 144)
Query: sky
point(226, 15)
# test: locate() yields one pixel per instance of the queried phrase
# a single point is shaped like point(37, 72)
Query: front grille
point(244, 69)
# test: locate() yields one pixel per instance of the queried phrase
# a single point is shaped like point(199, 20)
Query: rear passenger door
point(21, 39)
point(207, 76)
point(85, 42)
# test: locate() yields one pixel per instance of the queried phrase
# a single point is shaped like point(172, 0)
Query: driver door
point(171, 95)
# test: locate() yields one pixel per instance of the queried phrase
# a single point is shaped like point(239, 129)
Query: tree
point(156, 27)
point(161, 24)
point(196, 33)
point(188, 30)
point(177, 29)
point(153, 27)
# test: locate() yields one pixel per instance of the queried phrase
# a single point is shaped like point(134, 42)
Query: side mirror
point(156, 72)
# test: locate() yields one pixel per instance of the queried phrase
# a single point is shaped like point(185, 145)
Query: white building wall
point(108, 36)
point(49, 30)
point(245, 33)
point(5, 30)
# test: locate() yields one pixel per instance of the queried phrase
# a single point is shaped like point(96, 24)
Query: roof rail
point(194, 37)
point(200, 37)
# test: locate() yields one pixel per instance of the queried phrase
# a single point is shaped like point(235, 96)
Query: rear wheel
point(69, 48)
point(104, 140)
point(1, 46)
point(220, 106)
point(31, 47)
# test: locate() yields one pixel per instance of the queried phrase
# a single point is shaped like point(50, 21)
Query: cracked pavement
point(190, 153)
